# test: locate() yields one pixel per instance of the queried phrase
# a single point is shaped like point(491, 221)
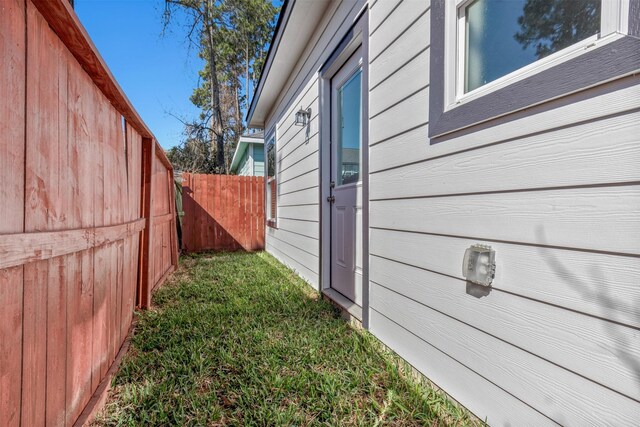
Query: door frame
point(357, 36)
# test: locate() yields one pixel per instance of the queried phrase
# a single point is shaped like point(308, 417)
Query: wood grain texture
point(554, 342)
point(146, 275)
point(306, 212)
point(223, 212)
point(34, 345)
point(304, 243)
point(71, 216)
point(298, 160)
point(305, 97)
point(19, 249)
point(67, 26)
point(12, 148)
point(614, 98)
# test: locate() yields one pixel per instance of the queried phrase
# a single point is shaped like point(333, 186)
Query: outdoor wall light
point(479, 264)
point(302, 117)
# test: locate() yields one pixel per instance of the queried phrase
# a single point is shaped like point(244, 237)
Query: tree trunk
point(239, 123)
point(247, 87)
point(217, 133)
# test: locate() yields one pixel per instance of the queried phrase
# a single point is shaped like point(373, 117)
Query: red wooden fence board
point(222, 212)
point(12, 106)
point(72, 215)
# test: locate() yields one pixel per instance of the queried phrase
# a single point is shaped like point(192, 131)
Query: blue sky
point(158, 73)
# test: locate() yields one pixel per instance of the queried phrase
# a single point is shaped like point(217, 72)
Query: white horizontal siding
point(295, 241)
point(395, 25)
point(593, 218)
point(305, 228)
point(555, 190)
point(302, 166)
point(303, 197)
point(302, 182)
point(411, 113)
point(400, 85)
point(561, 395)
point(478, 393)
point(600, 285)
point(564, 157)
point(571, 340)
point(286, 253)
point(409, 44)
point(383, 10)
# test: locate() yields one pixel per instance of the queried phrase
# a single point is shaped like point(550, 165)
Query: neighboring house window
point(272, 185)
point(497, 56)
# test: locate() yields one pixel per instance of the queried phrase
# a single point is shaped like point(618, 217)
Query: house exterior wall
point(246, 168)
point(553, 189)
point(258, 159)
point(252, 161)
point(295, 241)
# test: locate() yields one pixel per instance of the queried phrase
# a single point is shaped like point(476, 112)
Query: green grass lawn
point(239, 339)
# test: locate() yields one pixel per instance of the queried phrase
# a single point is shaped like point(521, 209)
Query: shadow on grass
point(239, 339)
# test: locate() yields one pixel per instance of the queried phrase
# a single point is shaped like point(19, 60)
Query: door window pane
point(350, 130)
point(502, 36)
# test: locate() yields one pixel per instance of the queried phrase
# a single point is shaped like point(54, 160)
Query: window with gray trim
point(600, 45)
point(271, 187)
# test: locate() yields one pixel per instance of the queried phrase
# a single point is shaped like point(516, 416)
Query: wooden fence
point(222, 212)
point(80, 175)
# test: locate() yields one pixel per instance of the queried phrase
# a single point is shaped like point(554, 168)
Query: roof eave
point(285, 12)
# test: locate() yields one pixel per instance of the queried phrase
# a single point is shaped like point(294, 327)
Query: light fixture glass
point(302, 117)
point(479, 265)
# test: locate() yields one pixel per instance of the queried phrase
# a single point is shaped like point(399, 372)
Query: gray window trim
point(617, 59)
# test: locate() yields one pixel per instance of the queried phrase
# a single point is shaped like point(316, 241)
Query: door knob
point(331, 199)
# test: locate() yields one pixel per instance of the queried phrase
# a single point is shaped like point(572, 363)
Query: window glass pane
point(270, 172)
point(350, 131)
point(271, 157)
point(504, 35)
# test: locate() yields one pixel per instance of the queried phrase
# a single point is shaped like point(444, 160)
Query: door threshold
point(345, 303)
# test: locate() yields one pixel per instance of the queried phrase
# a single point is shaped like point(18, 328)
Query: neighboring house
point(465, 137)
point(248, 158)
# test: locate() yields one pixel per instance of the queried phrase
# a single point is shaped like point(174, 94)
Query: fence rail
point(79, 238)
point(222, 212)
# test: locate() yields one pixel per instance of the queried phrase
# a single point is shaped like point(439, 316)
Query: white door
point(346, 179)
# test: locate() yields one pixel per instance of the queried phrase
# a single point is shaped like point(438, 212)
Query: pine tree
point(232, 37)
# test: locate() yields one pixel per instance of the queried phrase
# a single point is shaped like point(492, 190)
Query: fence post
point(174, 225)
point(146, 252)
